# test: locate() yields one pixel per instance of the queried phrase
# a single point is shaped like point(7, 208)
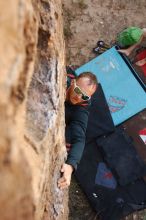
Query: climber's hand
point(65, 180)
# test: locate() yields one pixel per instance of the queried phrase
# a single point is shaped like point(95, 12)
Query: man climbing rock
point(78, 99)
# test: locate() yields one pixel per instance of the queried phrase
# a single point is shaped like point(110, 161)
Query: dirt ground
point(86, 22)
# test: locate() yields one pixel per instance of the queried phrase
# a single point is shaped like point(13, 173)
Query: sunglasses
point(78, 91)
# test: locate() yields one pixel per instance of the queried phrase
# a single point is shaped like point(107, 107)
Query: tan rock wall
point(31, 110)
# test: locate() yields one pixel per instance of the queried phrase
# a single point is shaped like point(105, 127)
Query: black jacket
point(76, 118)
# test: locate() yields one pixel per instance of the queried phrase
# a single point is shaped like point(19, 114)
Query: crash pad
point(124, 94)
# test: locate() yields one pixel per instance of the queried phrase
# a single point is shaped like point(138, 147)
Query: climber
point(78, 98)
point(130, 38)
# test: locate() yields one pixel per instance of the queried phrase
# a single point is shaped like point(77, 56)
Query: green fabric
point(129, 36)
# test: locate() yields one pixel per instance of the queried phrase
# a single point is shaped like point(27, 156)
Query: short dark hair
point(92, 77)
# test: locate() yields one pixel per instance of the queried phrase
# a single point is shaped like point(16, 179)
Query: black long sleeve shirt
point(76, 118)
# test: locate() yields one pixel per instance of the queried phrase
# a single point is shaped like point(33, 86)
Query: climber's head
point(82, 88)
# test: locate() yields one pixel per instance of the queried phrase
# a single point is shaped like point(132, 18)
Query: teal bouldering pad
point(124, 94)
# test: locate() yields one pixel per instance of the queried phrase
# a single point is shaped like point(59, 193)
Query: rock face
point(32, 83)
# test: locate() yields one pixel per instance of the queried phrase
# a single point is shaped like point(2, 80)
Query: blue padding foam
point(124, 94)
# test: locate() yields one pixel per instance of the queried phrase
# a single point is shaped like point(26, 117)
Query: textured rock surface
point(31, 110)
